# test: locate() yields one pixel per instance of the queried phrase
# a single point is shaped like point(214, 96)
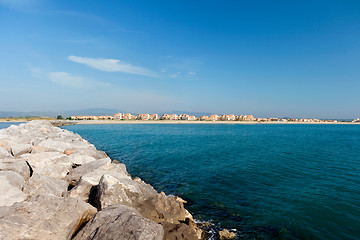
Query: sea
point(263, 181)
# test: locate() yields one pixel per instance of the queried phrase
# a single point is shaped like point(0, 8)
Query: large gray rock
point(169, 212)
point(17, 165)
point(80, 159)
point(75, 174)
point(44, 217)
point(59, 146)
point(19, 149)
point(120, 222)
point(52, 164)
point(88, 183)
point(41, 184)
point(4, 153)
point(10, 188)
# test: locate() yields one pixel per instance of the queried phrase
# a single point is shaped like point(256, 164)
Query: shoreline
point(85, 122)
point(54, 175)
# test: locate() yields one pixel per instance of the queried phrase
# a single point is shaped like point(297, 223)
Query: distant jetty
point(56, 185)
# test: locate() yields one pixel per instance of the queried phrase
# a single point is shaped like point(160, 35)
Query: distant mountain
point(68, 113)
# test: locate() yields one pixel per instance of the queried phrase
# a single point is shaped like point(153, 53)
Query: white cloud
point(112, 65)
point(192, 73)
point(70, 80)
point(175, 75)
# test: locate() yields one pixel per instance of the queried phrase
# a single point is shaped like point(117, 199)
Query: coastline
point(197, 122)
point(52, 175)
point(85, 122)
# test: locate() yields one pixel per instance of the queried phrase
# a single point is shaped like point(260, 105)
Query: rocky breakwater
point(56, 185)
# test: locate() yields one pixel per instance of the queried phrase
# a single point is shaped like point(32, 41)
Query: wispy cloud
point(112, 65)
point(192, 73)
point(73, 81)
point(175, 75)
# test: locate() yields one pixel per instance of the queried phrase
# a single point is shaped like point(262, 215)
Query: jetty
point(56, 185)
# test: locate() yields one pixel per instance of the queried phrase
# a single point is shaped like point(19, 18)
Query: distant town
point(187, 117)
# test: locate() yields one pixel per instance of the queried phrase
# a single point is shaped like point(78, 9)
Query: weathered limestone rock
point(52, 164)
point(16, 165)
point(4, 153)
point(113, 190)
point(143, 197)
point(226, 235)
point(89, 182)
point(80, 159)
point(6, 144)
point(19, 149)
point(120, 222)
point(58, 146)
point(10, 188)
point(44, 217)
point(40, 184)
point(39, 149)
point(179, 231)
point(75, 174)
point(69, 151)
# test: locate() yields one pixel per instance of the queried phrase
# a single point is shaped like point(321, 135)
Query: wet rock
point(44, 217)
point(41, 184)
point(120, 222)
point(10, 188)
point(226, 235)
point(16, 165)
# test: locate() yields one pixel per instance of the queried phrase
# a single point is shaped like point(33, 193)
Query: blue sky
point(267, 58)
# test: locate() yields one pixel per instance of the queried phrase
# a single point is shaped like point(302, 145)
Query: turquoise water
point(266, 181)
point(8, 124)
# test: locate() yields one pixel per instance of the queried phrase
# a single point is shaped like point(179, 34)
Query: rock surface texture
point(56, 185)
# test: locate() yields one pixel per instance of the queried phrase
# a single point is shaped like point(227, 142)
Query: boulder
point(169, 212)
point(75, 174)
point(180, 231)
point(87, 185)
point(52, 164)
point(59, 146)
point(41, 184)
point(17, 165)
point(80, 159)
point(4, 153)
point(120, 222)
point(10, 188)
point(39, 149)
point(44, 217)
point(19, 149)
point(226, 235)
point(69, 151)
